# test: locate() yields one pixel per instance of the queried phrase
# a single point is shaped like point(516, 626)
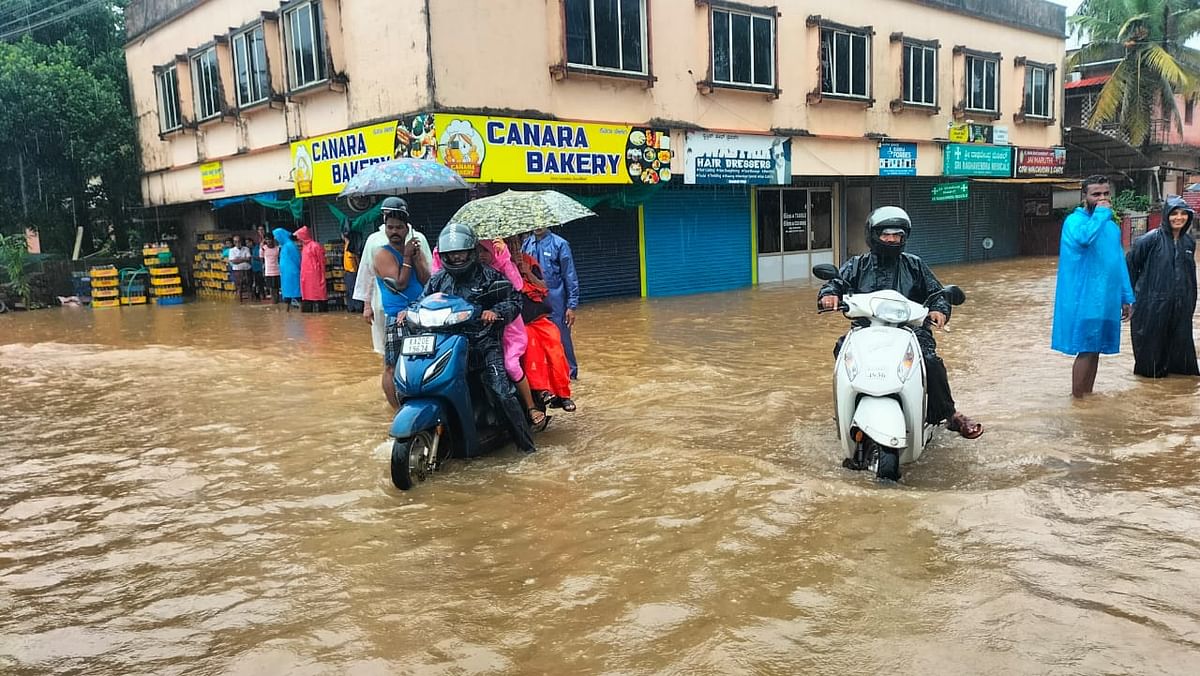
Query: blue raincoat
point(1093, 284)
point(553, 254)
point(289, 264)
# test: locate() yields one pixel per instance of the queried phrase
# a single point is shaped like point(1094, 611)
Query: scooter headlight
point(849, 362)
point(906, 365)
point(890, 311)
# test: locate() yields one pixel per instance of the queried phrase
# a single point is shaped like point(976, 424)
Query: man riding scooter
point(462, 275)
point(888, 267)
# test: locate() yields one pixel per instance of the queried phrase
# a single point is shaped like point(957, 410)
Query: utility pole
point(24, 194)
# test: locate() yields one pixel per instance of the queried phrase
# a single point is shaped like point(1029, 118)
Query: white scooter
point(879, 379)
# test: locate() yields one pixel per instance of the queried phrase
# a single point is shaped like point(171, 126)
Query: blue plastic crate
point(169, 300)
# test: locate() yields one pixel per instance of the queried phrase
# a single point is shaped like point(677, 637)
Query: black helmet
point(458, 237)
point(886, 219)
point(394, 206)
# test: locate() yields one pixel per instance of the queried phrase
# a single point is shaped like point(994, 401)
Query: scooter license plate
point(417, 346)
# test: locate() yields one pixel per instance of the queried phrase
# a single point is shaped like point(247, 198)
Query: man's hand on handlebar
point(937, 319)
point(829, 302)
point(488, 316)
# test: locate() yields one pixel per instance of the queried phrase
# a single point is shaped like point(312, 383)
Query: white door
point(795, 232)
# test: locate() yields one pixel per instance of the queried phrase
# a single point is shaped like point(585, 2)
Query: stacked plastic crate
point(211, 271)
point(133, 287)
point(335, 274)
point(165, 282)
point(105, 283)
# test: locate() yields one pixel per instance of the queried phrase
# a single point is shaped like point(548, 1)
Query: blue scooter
point(444, 410)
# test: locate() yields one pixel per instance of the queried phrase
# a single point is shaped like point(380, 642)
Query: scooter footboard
point(882, 419)
point(414, 416)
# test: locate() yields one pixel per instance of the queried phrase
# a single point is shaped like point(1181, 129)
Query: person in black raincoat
point(1162, 268)
point(888, 267)
point(462, 275)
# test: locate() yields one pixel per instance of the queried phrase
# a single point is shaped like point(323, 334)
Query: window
point(982, 83)
point(793, 220)
point(304, 44)
point(607, 35)
point(250, 67)
point(1038, 81)
point(167, 82)
point(743, 48)
point(1189, 108)
point(206, 84)
point(845, 62)
point(920, 74)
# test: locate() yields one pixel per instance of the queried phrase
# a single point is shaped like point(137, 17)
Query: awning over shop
point(230, 201)
point(1092, 152)
point(1056, 181)
point(1087, 82)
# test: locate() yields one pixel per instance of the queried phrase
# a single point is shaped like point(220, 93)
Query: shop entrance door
point(795, 232)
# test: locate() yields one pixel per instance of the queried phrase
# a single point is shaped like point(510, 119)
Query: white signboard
point(717, 158)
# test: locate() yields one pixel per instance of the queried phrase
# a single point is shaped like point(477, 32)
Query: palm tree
point(1148, 36)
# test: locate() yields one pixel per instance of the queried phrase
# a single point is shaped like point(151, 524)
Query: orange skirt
point(545, 362)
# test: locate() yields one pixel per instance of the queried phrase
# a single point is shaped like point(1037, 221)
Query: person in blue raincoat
point(553, 254)
point(289, 265)
point(1093, 294)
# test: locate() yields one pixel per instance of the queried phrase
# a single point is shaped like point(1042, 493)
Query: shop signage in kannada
point(949, 192)
point(715, 158)
point(512, 150)
point(322, 165)
point(897, 159)
point(1041, 161)
point(212, 178)
point(962, 159)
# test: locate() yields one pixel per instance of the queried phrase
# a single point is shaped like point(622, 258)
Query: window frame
point(867, 33)
point(561, 69)
point(994, 58)
point(930, 46)
point(1049, 71)
point(771, 15)
point(159, 74)
point(214, 81)
point(321, 65)
point(242, 35)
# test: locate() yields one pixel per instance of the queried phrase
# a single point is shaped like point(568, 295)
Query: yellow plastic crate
point(168, 291)
point(228, 286)
point(106, 303)
point(166, 281)
point(105, 293)
point(105, 283)
point(164, 271)
point(102, 272)
point(133, 300)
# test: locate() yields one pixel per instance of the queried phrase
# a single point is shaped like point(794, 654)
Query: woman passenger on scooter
point(886, 266)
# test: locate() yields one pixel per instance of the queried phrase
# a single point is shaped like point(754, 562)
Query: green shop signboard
point(960, 159)
point(948, 192)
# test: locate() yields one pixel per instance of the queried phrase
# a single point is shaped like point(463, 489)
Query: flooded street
point(204, 489)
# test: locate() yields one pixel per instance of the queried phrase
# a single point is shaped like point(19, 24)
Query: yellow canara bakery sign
point(322, 165)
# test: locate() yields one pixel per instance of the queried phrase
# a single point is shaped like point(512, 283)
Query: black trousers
point(939, 400)
point(504, 397)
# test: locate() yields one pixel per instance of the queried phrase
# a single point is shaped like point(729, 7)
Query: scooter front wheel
point(410, 458)
point(887, 467)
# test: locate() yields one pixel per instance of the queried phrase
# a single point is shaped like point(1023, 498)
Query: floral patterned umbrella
point(402, 176)
point(514, 212)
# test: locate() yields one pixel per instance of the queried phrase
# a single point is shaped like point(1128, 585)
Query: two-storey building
point(723, 143)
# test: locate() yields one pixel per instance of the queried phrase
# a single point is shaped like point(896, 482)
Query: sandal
point(566, 404)
point(967, 428)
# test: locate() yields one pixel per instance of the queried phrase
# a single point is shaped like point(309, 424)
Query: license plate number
point(416, 346)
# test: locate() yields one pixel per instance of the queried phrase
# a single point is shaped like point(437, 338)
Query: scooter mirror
point(825, 271)
point(954, 295)
point(392, 285)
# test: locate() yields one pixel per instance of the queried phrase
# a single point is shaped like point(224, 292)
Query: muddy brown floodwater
point(204, 490)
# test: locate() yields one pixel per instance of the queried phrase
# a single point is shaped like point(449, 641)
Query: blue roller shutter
point(697, 240)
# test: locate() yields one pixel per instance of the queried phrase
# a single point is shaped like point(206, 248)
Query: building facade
point(722, 143)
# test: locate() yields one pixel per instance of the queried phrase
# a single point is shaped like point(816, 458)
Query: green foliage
point(68, 147)
point(1155, 66)
point(1128, 200)
point(13, 257)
